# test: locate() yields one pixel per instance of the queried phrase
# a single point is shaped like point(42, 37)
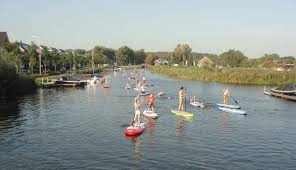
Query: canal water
point(84, 129)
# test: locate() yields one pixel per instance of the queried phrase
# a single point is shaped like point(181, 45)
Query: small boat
point(106, 86)
point(229, 110)
point(182, 114)
point(150, 114)
point(70, 82)
point(127, 87)
point(135, 131)
point(229, 106)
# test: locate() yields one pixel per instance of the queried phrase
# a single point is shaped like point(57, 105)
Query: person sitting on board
point(137, 104)
point(193, 99)
point(150, 101)
point(181, 99)
point(226, 95)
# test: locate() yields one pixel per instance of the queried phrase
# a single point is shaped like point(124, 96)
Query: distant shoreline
point(243, 76)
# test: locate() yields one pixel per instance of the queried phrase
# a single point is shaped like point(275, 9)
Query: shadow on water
point(9, 113)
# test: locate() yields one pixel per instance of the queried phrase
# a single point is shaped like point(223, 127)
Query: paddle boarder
point(181, 99)
point(150, 101)
point(193, 99)
point(137, 104)
point(226, 95)
point(144, 81)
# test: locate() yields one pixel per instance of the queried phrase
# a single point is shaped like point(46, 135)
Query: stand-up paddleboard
point(150, 114)
point(229, 106)
point(198, 104)
point(160, 94)
point(134, 131)
point(143, 93)
point(182, 114)
point(232, 110)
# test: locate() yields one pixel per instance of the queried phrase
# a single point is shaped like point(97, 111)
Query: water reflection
point(9, 113)
point(225, 119)
point(137, 147)
point(180, 128)
point(106, 91)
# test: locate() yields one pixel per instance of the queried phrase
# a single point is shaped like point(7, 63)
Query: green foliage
point(228, 75)
point(232, 58)
point(13, 84)
point(182, 53)
point(124, 56)
point(140, 56)
point(150, 59)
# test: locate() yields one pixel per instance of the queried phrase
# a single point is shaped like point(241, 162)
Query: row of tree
point(56, 59)
point(183, 55)
point(27, 56)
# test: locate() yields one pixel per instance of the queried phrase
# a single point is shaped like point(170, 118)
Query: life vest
point(150, 99)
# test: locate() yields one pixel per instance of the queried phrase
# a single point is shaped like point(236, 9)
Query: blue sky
point(253, 26)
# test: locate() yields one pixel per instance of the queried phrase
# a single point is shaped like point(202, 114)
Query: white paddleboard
point(232, 110)
point(229, 106)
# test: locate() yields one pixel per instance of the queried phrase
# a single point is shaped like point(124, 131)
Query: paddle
point(234, 100)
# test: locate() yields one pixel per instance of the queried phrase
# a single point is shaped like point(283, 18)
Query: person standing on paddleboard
point(181, 99)
point(150, 101)
point(144, 81)
point(137, 105)
point(226, 95)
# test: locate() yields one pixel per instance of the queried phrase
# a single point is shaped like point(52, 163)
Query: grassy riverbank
point(228, 75)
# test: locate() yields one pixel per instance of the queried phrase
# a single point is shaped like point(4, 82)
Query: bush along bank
point(12, 84)
point(228, 75)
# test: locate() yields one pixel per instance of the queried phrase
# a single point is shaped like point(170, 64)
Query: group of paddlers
point(181, 107)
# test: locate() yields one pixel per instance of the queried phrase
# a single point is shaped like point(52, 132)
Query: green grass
point(228, 75)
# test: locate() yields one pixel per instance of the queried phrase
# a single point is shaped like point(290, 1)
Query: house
point(284, 67)
point(159, 62)
point(3, 39)
point(204, 62)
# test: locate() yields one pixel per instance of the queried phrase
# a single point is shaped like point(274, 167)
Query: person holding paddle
point(181, 99)
point(137, 104)
point(150, 101)
point(226, 95)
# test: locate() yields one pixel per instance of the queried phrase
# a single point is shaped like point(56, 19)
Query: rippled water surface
point(84, 129)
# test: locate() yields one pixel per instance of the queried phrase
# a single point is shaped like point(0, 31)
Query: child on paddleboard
point(150, 101)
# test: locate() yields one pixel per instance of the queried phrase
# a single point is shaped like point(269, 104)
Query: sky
point(254, 27)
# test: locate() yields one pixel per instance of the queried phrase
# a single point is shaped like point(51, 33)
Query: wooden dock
point(280, 95)
point(284, 96)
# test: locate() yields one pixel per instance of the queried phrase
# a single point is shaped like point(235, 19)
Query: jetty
point(287, 91)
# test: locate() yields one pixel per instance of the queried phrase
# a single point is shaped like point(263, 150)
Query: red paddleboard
point(135, 131)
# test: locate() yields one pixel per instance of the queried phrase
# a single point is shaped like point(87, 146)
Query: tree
point(32, 56)
point(124, 55)
point(140, 56)
point(182, 53)
point(288, 60)
point(232, 58)
point(150, 59)
point(268, 60)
